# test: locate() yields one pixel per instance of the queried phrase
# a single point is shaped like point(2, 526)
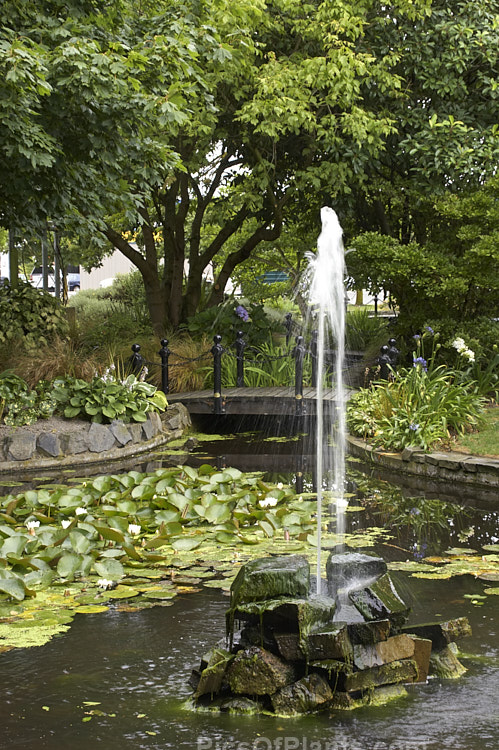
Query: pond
point(119, 680)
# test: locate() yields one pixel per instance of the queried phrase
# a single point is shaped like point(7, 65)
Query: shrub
point(19, 405)
point(229, 318)
point(106, 398)
point(418, 407)
point(364, 331)
point(29, 316)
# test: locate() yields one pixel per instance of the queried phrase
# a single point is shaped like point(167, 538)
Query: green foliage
point(29, 316)
point(106, 398)
point(105, 525)
point(363, 330)
point(19, 405)
point(229, 318)
point(418, 407)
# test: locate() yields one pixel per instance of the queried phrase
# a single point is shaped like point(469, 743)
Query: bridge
point(276, 401)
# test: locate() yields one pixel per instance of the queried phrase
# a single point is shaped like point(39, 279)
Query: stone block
point(441, 633)
point(100, 438)
point(212, 676)
point(120, 432)
point(309, 694)
point(422, 653)
point(48, 444)
point(396, 648)
point(289, 646)
point(21, 446)
point(331, 644)
point(156, 422)
point(148, 429)
point(369, 632)
point(270, 577)
point(75, 442)
point(256, 671)
point(380, 600)
point(135, 430)
point(377, 697)
point(445, 664)
point(301, 616)
point(353, 570)
point(387, 674)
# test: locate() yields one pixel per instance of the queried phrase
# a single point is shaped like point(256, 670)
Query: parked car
point(72, 277)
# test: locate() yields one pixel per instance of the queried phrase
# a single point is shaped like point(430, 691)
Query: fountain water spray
point(327, 294)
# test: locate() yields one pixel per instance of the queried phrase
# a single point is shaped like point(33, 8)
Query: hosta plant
point(105, 398)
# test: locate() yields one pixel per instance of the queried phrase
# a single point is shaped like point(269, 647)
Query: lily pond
point(113, 586)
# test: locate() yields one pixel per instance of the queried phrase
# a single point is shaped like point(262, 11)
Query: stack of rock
point(291, 655)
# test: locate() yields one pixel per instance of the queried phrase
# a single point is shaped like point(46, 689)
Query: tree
point(454, 275)
point(446, 139)
point(198, 123)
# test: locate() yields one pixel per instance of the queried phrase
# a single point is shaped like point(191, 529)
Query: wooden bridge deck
point(276, 401)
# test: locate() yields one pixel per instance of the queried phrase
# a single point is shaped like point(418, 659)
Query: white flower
point(133, 528)
point(80, 511)
point(32, 524)
point(268, 502)
point(65, 523)
point(103, 583)
point(459, 344)
point(469, 354)
point(279, 485)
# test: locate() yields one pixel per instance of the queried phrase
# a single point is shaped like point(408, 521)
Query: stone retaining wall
point(479, 473)
point(71, 442)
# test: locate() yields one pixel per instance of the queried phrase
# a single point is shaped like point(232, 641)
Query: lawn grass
point(486, 441)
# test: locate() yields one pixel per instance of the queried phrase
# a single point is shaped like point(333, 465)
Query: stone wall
point(59, 441)
point(437, 469)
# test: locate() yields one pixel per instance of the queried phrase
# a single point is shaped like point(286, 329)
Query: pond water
point(119, 680)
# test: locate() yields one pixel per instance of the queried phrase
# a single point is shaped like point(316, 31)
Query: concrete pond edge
point(449, 468)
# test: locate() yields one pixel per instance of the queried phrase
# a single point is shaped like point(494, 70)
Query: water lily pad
point(123, 592)
point(92, 609)
point(489, 576)
point(491, 547)
point(461, 551)
point(166, 594)
point(494, 591)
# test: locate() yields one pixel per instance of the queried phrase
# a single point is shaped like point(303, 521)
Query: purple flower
point(242, 313)
point(416, 337)
point(429, 329)
point(414, 426)
point(420, 361)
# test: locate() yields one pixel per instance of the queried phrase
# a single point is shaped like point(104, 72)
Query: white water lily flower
point(279, 485)
point(32, 524)
point(80, 511)
point(133, 528)
point(65, 523)
point(268, 502)
point(104, 583)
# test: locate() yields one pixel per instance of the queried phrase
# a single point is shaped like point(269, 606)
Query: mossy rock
point(271, 577)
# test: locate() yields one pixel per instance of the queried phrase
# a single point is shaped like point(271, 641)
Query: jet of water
point(327, 295)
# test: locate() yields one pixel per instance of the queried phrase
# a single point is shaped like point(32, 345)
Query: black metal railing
point(239, 350)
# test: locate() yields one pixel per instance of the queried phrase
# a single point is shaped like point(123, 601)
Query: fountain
point(293, 652)
point(327, 293)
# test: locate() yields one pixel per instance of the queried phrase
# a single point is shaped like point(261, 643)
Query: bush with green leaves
point(20, 405)
point(363, 330)
point(418, 407)
point(29, 316)
point(233, 316)
point(106, 398)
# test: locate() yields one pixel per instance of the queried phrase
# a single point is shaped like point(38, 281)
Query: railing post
point(313, 354)
point(383, 362)
point(288, 325)
point(393, 352)
point(299, 354)
point(164, 353)
point(240, 347)
point(136, 360)
point(217, 350)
